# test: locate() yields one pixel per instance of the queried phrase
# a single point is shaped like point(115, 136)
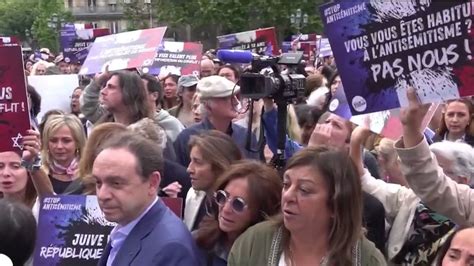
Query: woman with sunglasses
point(248, 192)
point(321, 220)
point(212, 152)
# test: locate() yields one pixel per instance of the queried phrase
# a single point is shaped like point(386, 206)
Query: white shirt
point(282, 261)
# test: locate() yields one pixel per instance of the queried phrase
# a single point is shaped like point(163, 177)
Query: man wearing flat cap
point(63, 64)
point(186, 90)
point(220, 108)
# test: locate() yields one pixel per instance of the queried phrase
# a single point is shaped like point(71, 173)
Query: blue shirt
point(270, 123)
point(120, 233)
point(238, 134)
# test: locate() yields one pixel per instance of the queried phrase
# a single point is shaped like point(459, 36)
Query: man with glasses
point(219, 101)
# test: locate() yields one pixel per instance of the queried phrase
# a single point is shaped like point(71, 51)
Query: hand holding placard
point(31, 146)
point(101, 78)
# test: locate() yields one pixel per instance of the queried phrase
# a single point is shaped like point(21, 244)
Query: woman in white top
point(417, 232)
point(212, 153)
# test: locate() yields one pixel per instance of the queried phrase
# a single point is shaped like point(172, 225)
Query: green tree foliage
point(32, 21)
point(16, 17)
point(229, 16)
point(136, 14)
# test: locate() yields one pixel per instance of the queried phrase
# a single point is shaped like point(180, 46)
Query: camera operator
point(219, 101)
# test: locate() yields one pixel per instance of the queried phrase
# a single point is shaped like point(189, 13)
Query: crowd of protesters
point(344, 197)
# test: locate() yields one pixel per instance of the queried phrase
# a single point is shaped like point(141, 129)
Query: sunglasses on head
point(238, 204)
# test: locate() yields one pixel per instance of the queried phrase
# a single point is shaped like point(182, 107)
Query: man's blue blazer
point(159, 238)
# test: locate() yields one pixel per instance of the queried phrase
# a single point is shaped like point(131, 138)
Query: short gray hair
point(460, 154)
point(150, 130)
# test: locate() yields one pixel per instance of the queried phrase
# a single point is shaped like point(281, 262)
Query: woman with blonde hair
point(63, 141)
point(39, 68)
point(321, 219)
point(86, 184)
point(212, 152)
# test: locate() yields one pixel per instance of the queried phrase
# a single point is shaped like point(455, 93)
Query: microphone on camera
point(235, 56)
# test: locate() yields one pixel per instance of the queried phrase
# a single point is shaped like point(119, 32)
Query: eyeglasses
point(238, 204)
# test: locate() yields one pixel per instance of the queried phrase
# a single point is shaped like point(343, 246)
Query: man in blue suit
point(127, 172)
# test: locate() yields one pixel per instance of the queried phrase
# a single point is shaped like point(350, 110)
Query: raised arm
point(392, 196)
point(30, 160)
point(425, 177)
point(89, 100)
point(358, 136)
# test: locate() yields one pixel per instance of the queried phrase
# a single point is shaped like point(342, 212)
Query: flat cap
point(216, 87)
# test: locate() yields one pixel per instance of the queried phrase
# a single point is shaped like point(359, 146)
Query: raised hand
point(173, 189)
point(411, 118)
point(358, 137)
point(321, 135)
point(101, 78)
point(31, 146)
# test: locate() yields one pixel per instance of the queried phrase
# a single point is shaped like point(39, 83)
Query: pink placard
point(126, 50)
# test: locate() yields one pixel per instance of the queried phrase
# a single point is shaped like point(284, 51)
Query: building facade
point(111, 14)
point(101, 13)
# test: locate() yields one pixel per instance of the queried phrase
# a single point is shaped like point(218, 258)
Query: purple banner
point(381, 48)
point(72, 231)
point(76, 43)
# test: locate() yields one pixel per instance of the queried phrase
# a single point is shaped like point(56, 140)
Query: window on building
point(113, 7)
point(113, 27)
point(92, 4)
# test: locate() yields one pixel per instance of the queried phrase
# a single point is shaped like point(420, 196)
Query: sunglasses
point(238, 204)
